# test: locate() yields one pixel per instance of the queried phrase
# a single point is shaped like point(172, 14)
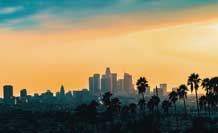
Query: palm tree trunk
point(185, 107)
point(177, 123)
point(209, 109)
point(143, 98)
point(196, 94)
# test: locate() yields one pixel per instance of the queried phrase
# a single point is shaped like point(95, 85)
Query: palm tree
point(141, 104)
point(165, 106)
point(206, 85)
point(151, 105)
point(203, 102)
point(173, 96)
point(210, 101)
point(142, 84)
point(115, 106)
point(156, 101)
point(132, 109)
point(182, 93)
point(107, 98)
point(213, 83)
point(193, 82)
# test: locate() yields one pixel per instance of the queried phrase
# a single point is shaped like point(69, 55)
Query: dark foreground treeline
point(109, 115)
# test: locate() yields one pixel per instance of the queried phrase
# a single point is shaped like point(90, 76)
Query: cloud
point(9, 10)
point(79, 12)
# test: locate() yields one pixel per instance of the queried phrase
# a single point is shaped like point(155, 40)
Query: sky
point(45, 44)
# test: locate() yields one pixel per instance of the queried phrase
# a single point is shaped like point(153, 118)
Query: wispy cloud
point(9, 10)
point(80, 11)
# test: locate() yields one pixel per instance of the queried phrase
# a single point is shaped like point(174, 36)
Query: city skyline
point(45, 44)
point(99, 83)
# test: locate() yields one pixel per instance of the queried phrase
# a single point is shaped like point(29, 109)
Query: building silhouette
point(114, 83)
point(128, 85)
point(96, 84)
point(164, 88)
point(8, 94)
point(23, 93)
point(103, 84)
point(109, 82)
point(91, 85)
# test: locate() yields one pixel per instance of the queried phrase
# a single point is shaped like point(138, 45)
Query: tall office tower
point(96, 84)
point(128, 85)
point(158, 91)
point(8, 94)
point(120, 87)
point(148, 91)
point(164, 88)
point(103, 84)
point(114, 83)
point(61, 93)
point(108, 71)
point(23, 93)
point(108, 79)
point(91, 85)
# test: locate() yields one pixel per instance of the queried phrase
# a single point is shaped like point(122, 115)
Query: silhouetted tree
point(151, 105)
point(156, 101)
point(173, 96)
point(115, 106)
point(193, 82)
point(132, 109)
point(213, 83)
point(107, 98)
point(203, 102)
point(165, 106)
point(210, 101)
point(141, 104)
point(182, 93)
point(206, 85)
point(142, 85)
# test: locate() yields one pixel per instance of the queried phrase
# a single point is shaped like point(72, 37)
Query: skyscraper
point(114, 83)
point(96, 84)
point(128, 85)
point(23, 93)
point(91, 85)
point(120, 87)
point(103, 84)
point(106, 81)
point(164, 89)
point(108, 71)
point(8, 94)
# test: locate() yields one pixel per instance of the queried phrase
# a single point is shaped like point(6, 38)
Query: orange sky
point(164, 51)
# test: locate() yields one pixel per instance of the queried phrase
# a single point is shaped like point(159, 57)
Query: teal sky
point(23, 14)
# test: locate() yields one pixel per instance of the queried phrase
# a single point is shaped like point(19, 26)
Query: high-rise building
point(106, 84)
point(148, 91)
point(23, 93)
point(91, 85)
point(108, 71)
point(128, 85)
point(114, 83)
point(62, 91)
point(61, 95)
point(106, 81)
point(8, 94)
point(120, 85)
point(96, 84)
point(164, 89)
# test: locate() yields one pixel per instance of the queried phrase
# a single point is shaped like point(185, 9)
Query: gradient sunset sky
point(46, 43)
